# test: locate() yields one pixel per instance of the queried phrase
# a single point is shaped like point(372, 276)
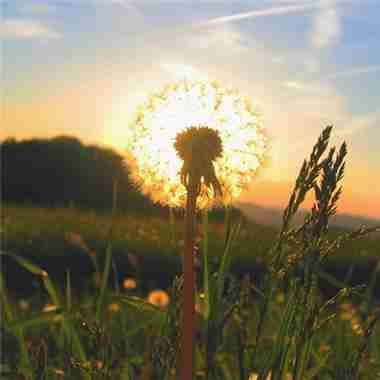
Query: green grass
point(36, 233)
point(31, 232)
point(273, 322)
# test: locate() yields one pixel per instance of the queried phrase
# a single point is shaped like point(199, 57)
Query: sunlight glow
point(152, 158)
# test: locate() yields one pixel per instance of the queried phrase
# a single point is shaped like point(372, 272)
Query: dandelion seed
point(129, 283)
point(159, 298)
point(114, 308)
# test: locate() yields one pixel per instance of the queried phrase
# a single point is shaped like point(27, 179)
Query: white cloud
point(265, 12)
point(327, 27)
point(26, 29)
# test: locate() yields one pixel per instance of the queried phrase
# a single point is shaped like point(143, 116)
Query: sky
point(82, 67)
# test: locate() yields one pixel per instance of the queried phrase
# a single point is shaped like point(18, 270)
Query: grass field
point(70, 245)
point(90, 296)
point(67, 236)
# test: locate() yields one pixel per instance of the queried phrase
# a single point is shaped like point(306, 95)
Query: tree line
point(63, 171)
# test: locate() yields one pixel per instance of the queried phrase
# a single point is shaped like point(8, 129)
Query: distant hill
point(273, 217)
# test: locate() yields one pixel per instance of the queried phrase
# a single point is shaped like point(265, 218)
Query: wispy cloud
point(354, 72)
point(26, 29)
point(327, 28)
point(265, 12)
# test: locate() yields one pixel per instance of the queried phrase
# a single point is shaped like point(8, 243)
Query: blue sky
point(82, 66)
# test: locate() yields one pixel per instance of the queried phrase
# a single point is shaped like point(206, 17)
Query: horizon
point(306, 64)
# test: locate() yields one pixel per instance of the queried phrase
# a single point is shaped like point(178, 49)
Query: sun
point(154, 164)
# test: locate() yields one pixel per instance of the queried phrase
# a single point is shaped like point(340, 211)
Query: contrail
point(273, 11)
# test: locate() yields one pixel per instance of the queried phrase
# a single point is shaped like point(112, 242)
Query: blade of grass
point(9, 315)
point(225, 262)
point(108, 262)
point(54, 296)
point(30, 267)
point(35, 320)
point(68, 290)
point(206, 273)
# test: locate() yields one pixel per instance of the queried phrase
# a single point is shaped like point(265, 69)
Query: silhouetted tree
point(63, 171)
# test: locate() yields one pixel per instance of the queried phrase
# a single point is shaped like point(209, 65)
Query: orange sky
point(305, 66)
point(103, 119)
point(74, 113)
point(269, 193)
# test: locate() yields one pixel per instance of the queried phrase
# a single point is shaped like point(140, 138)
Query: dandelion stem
point(188, 315)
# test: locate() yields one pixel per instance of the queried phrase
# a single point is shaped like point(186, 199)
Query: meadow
point(89, 295)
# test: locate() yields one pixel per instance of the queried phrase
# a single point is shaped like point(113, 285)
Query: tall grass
point(280, 327)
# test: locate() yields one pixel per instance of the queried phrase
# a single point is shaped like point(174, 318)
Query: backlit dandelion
point(155, 163)
point(191, 145)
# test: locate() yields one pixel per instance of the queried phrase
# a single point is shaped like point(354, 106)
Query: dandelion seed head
point(154, 163)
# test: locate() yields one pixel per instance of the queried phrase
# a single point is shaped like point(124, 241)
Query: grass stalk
point(108, 261)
